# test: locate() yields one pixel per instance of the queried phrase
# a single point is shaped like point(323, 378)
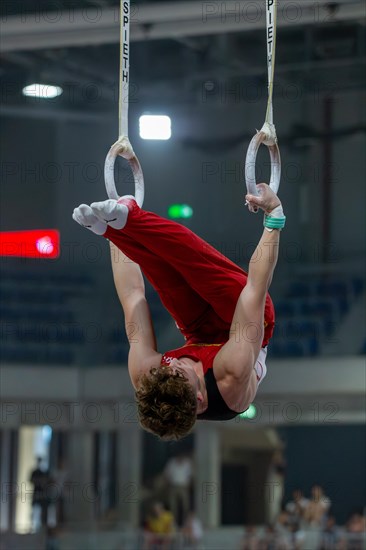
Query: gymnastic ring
point(123, 148)
point(257, 140)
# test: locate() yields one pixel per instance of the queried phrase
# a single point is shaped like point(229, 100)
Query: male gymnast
point(225, 315)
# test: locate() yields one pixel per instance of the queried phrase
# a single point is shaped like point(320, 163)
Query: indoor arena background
point(66, 397)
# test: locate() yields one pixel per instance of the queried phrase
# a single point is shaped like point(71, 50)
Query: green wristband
point(274, 223)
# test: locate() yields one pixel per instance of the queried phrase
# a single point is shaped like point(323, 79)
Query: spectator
point(268, 539)
point(178, 474)
point(356, 523)
point(159, 528)
point(296, 508)
point(315, 515)
point(275, 485)
point(251, 539)
point(192, 531)
point(317, 508)
point(297, 536)
point(356, 528)
point(282, 530)
point(40, 479)
point(331, 535)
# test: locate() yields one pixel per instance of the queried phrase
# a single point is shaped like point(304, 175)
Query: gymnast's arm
point(238, 356)
point(130, 288)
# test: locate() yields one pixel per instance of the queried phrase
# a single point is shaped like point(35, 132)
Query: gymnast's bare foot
point(111, 212)
point(85, 216)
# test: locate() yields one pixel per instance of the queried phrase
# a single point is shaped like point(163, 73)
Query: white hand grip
point(257, 140)
point(123, 148)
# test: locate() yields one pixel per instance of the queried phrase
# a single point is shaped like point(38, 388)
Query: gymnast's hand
point(267, 200)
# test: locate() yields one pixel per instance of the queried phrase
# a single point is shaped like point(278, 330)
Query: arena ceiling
point(177, 47)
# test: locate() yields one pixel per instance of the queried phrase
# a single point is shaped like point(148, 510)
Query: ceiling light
point(155, 127)
point(45, 91)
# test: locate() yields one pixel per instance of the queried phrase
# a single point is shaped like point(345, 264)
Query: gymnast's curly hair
point(166, 403)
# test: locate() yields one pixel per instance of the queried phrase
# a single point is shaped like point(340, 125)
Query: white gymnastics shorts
point(260, 365)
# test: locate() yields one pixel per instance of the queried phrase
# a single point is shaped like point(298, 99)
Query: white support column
point(129, 454)
point(207, 474)
point(79, 490)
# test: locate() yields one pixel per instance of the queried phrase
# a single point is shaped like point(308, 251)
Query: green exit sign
point(180, 211)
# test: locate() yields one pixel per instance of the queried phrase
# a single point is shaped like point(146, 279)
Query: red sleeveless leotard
point(198, 352)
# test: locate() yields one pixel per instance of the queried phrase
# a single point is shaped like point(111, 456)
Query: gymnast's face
point(193, 371)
